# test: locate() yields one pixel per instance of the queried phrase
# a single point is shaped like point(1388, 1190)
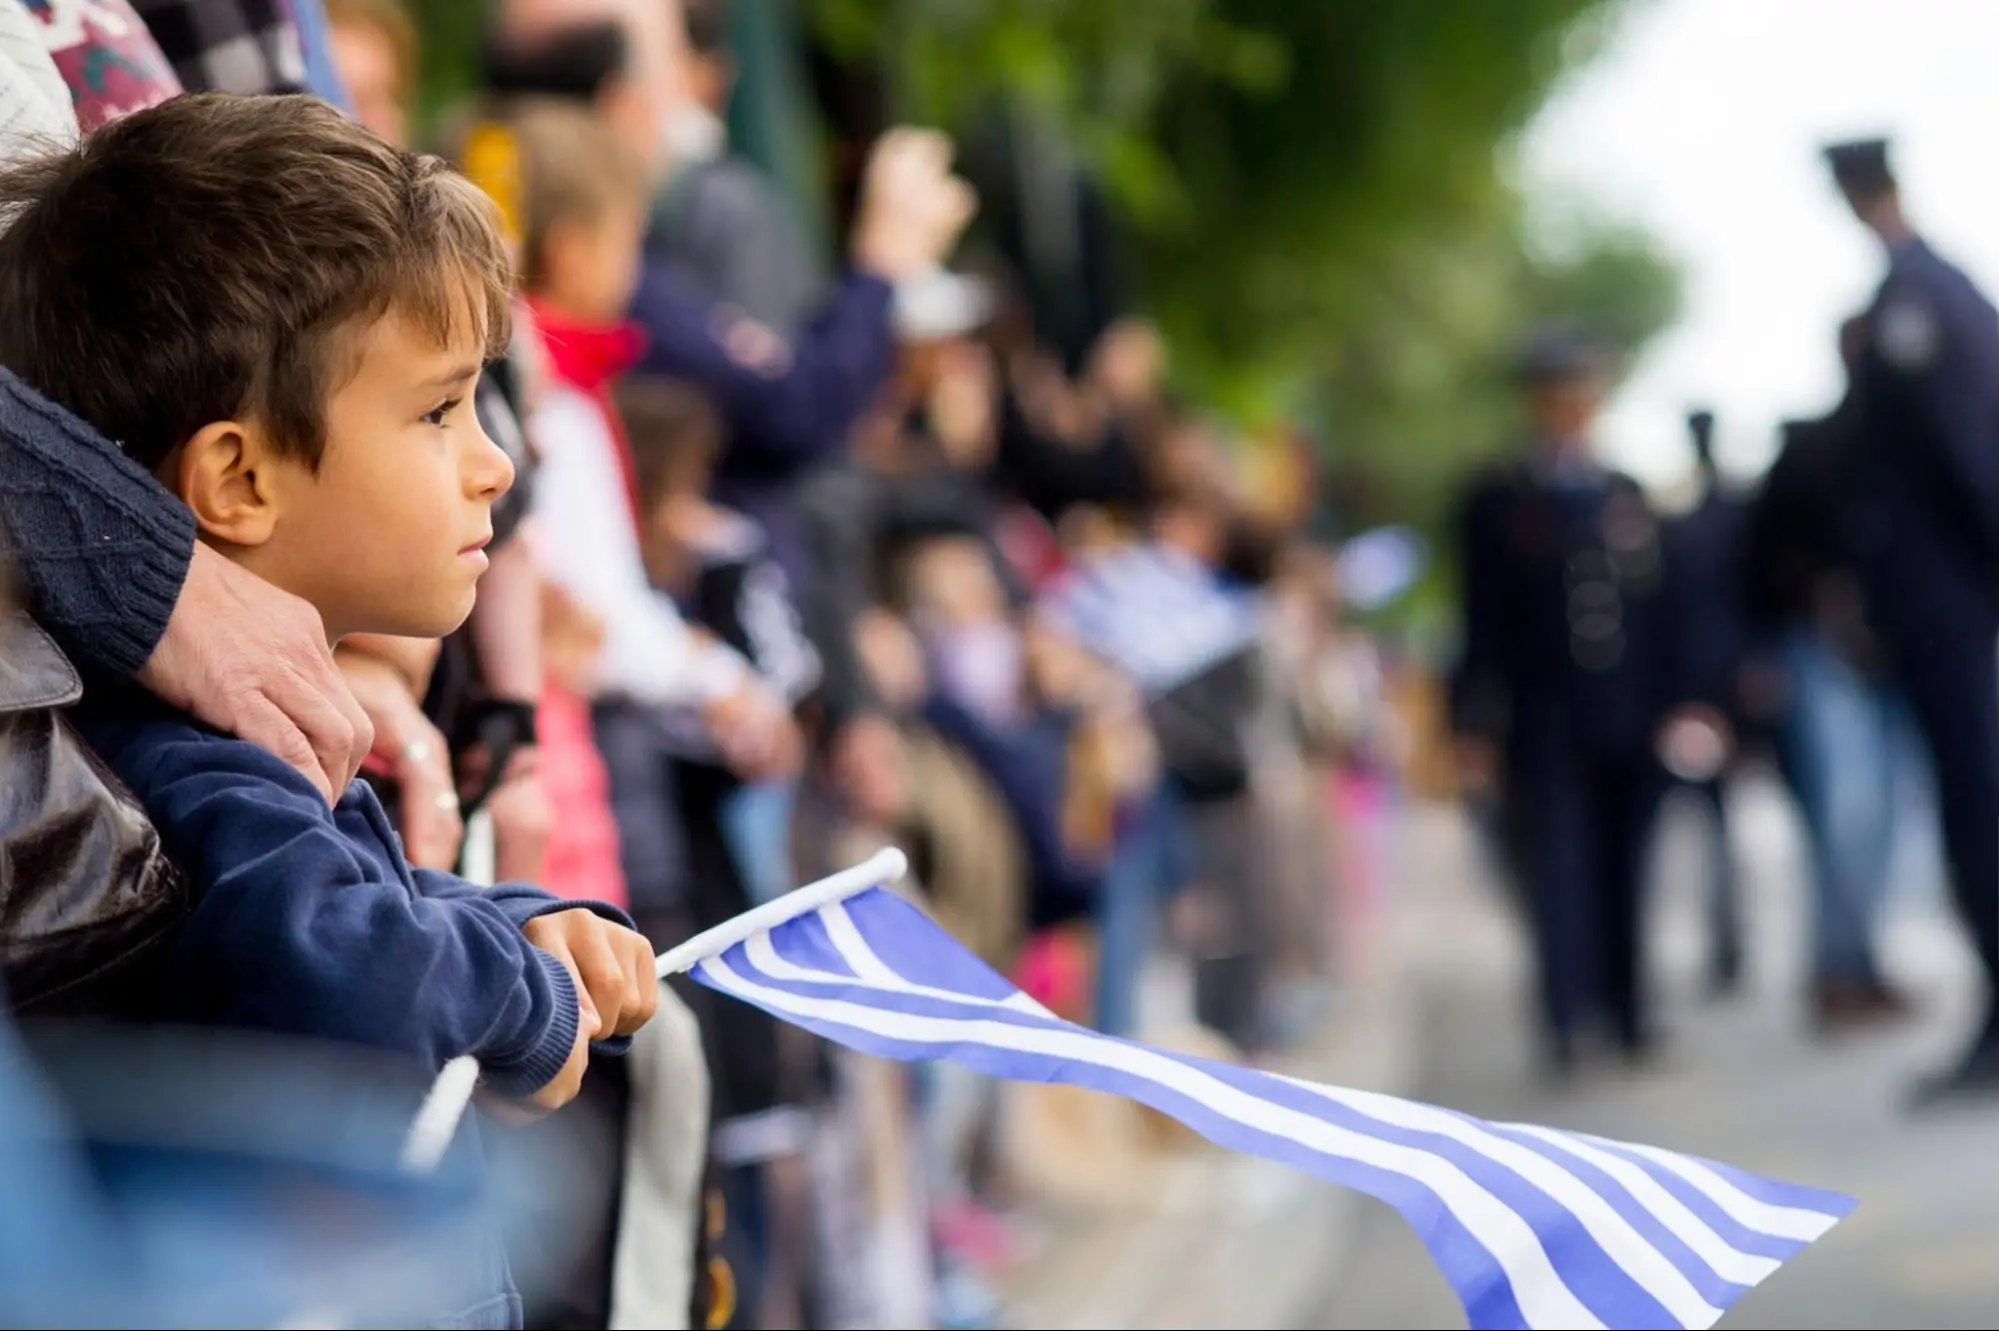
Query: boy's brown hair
point(674, 435)
point(574, 169)
point(212, 257)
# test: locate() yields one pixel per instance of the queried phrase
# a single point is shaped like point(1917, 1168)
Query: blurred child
point(284, 319)
point(373, 44)
point(583, 215)
point(717, 564)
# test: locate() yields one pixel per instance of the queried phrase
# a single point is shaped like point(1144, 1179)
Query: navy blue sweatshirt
point(308, 921)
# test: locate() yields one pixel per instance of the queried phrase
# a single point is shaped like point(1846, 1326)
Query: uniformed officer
point(1704, 561)
point(1926, 394)
point(1565, 677)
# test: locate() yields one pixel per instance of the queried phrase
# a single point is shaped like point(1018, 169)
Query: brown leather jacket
point(88, 901)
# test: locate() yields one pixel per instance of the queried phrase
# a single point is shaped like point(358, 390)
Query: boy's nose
point(490, 472)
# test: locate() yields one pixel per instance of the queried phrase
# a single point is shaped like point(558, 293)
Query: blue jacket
point(786, 412)
point(307, 921)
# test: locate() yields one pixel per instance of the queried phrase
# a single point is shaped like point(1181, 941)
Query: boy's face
point(389, 534)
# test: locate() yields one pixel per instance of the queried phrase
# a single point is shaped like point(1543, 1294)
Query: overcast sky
point(1702, 120)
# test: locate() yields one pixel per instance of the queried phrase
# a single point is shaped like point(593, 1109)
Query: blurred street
point(1738, 1084)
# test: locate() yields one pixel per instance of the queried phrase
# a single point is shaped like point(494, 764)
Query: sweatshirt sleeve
point(299, 928)
point(102, 547)
point(522, 902)
point(789, 410)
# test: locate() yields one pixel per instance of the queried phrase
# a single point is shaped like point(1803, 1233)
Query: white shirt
point(591, 550)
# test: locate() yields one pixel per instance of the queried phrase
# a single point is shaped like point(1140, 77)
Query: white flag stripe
point(1789, 1222)
point(861, 959)
point(1611, 1230)
point(763, 954)
point(1638, 1257)
point(1543, 1296)
point(1724, 1259)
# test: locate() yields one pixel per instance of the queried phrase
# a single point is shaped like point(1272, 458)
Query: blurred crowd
point(791, 568)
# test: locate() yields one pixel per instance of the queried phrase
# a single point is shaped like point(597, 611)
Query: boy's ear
point(225, 473)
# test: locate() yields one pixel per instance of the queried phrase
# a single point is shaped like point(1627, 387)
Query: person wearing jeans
point(1839, 748)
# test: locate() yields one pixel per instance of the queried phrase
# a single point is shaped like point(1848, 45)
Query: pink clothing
point(106, 55)
point(583, 836)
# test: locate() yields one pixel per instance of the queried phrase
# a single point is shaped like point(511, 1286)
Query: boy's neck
point(253, 561)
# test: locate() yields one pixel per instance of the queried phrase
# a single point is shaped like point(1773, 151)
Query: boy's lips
point(478, 546)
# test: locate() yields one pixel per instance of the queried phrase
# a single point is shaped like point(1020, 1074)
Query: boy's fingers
point(604, 975)
point(641, 985)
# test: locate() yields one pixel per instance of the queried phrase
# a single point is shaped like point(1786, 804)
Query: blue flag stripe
point(1531, 1226)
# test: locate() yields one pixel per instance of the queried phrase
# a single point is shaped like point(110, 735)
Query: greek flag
point(1154, 613)
point(1532, 1227)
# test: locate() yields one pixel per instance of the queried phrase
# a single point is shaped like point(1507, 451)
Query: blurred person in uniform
point(1566, 678)
point(1840, 718)
point(1704, 562)
point(1926, 478)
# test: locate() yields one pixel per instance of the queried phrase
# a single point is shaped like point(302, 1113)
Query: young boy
point(284, 319)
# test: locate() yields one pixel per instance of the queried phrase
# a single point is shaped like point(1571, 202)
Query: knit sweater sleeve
point(102, 548)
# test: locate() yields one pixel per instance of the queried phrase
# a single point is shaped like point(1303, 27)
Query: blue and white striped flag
point(1532, 1227)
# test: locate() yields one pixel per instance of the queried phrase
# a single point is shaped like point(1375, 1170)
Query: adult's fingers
point(267, 725)
point(433, 825)
point(336, 730)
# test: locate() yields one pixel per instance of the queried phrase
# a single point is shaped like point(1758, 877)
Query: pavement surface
point(1744, 1082)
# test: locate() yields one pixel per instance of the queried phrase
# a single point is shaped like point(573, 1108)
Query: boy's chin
point(433, 621)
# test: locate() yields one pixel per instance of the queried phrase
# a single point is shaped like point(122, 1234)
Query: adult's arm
point(112, 570)
point(785, 404)
point(104, 548)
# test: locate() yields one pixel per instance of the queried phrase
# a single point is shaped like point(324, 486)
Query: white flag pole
point(878, 870)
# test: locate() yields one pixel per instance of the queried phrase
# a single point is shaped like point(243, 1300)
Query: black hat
point(575, 61)
point(1861, 166)
point(1555, 353)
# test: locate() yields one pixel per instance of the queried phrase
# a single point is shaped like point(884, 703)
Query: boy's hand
point(612, 966)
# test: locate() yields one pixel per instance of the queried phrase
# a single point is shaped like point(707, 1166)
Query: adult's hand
point(253, 660)
point(755, 731)
point(522, 817)
point(912, 208)
point(405, 738)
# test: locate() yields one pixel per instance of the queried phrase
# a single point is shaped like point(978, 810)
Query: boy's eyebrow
point(457, 374)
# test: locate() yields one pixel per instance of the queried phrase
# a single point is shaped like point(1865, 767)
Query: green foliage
point(1312, 186)
point(1313, 190)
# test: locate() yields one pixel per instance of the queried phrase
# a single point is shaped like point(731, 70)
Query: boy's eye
point(436, 415)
